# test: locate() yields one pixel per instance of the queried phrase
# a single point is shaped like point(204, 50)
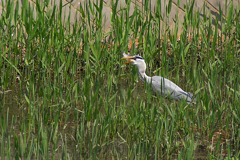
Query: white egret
point(159, 84)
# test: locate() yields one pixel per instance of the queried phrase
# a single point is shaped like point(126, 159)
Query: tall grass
point(66, 95)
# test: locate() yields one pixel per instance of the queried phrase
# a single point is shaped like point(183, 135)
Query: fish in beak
point(127, 57)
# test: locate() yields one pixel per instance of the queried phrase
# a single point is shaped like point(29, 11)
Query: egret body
point(159, 84)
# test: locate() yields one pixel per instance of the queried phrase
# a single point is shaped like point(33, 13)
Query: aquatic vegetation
point(64, 93)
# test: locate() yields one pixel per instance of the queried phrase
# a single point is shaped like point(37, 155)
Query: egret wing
point(166, 87)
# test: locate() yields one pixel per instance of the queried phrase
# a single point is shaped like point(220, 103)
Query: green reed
point(66, 95)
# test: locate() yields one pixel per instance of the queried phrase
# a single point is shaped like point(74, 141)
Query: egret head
point(137, 61)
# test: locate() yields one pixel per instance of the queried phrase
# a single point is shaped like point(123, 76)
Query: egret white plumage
point(159, 84)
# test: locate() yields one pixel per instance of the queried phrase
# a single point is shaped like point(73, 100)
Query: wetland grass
point(64, 93)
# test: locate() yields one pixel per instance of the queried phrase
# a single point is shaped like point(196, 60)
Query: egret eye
point(138, 57)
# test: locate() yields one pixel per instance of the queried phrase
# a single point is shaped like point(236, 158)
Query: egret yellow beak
point(128, 59)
